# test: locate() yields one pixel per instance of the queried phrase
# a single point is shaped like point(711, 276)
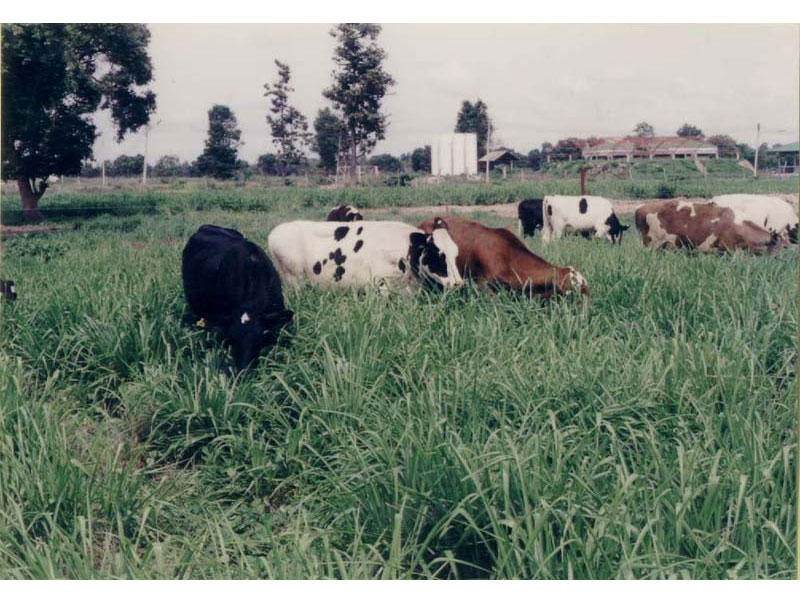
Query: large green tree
point(328, 133)
point(220, 156)
point(288, 125)
point(54, 77)
point(359, 85)
point(474, 118)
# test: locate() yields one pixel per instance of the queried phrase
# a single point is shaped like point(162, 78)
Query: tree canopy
point(644, 129)
point(168, 165)
point(54, 77)
point(329, 130)
point(421, 159)
point(687, 130)
point(220, 156)
point(474, 118)
point(288, 125)
point(359, 85)
point(386, 163)
point(126, 166)
point(267, 164)
point(726, 145)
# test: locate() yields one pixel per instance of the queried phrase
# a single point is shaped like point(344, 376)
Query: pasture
point(653, 435)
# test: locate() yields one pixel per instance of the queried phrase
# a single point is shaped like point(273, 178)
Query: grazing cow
point(7, 289)
point(499, 259)
point(233, 289)
point(530, 216)
point(390, 254)
point(773, 214)
point(705, 226)
point(344, 214)
point(586, 215)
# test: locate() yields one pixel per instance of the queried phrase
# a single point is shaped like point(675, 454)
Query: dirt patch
point(509, 211)
point(12, 230)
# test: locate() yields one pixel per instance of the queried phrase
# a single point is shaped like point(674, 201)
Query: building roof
point(786, 148)
point(494, 155)
point(649, 145)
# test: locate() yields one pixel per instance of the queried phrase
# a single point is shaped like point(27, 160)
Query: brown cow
point(707, 227)
point(499, 259)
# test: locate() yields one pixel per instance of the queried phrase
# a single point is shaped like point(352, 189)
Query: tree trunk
point(30, 201)
point(353, 154)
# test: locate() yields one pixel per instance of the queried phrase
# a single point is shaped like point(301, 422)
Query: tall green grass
point(653, 435)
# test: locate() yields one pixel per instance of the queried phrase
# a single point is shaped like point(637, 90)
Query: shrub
point(665, 191)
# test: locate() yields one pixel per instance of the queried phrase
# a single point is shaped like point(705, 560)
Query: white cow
point(586, 215)
point(773, 214)
point(389, 254)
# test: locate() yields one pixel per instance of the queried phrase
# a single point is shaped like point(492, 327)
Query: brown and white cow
point(707, 227)
point(499, 259)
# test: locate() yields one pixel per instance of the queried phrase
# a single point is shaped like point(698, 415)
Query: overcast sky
point(541, 82)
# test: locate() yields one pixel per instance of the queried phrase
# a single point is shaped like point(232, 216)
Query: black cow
point(233, 289)
point(7, 290)
point(530, 216)
point(344, 214)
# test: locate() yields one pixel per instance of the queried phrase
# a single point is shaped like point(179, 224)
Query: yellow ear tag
point(201, 323)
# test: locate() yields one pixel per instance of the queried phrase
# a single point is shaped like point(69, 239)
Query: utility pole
point(758, 141)
point(488, 149)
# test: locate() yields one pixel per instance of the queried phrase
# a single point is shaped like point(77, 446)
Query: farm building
point(631, 147)
point(499, 157)
point(787, 156)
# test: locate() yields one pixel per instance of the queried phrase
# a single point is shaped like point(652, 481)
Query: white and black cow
point(344, 214)
point(773, 214)
point(530, 217)
point(7, 289)
point(586, 215)
point(233, 289)
point(389, 254)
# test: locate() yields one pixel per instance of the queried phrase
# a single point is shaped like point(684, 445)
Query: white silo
point(454, 154)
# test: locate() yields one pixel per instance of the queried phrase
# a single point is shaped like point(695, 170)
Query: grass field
point(653, 435)
point(650, 179)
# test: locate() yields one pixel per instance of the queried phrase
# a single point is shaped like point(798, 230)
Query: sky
point(540, 82)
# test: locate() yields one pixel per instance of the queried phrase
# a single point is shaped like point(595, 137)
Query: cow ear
point(418, 238)
point(439, 223)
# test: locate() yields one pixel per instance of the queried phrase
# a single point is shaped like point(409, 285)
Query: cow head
point(7, 289)
point(344, 213)
point(615, 229)
point(250, 333)
point(792, 231)
point(433, 256)
point(574, 282)
point(776, 242)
